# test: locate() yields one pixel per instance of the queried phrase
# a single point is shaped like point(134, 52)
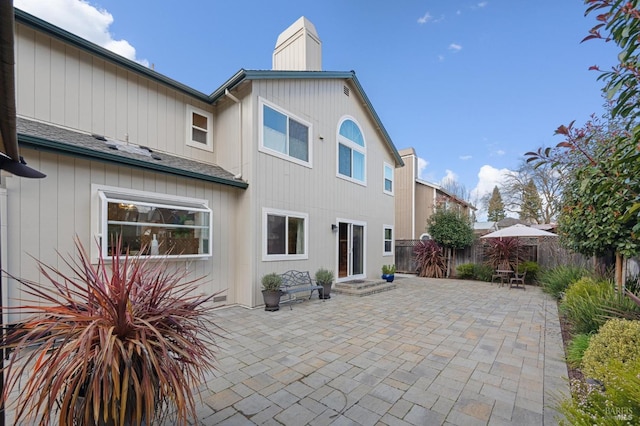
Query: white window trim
point(269, 151)
point(99, 211)
point(354, 147)
point(287, 213)
point(384, 252)
point(384, 178)
point(189, 125)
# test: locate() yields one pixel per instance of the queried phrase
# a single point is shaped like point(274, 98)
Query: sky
point(470, 85)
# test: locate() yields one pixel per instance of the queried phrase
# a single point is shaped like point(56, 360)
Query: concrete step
point(362, 287)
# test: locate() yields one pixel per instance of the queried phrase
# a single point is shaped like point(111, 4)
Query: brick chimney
point(298, 48)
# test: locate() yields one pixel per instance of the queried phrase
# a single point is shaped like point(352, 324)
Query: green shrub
point(582, 304)
point(465, 271)
point(618, 339)
point(482, 272)
point(474, 271)
point(589, 303)
point(531, 268)
point(556, 280)
point(617, 404)
point(633, 284)
point(576, 347)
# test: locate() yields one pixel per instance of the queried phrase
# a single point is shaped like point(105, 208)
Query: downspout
point(237, 101)
point(414, 172)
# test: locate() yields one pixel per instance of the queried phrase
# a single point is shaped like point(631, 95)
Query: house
point(288, 168)
point(417, 199)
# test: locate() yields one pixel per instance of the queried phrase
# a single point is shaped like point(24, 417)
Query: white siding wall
point(316, 191)
point(60, 84)
point(44, 215)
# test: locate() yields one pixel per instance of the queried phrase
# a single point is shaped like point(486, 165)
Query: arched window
point(352, 151)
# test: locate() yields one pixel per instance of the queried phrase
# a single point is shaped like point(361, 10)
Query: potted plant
point(388, 272)
point(120, 342)
point(271, 291)
point(324, 277)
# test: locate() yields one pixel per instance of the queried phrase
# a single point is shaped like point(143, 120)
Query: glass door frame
point(350, 224)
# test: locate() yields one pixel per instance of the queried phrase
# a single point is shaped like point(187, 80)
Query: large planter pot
point(388, 277)
point(326, 290)
point(271, 300)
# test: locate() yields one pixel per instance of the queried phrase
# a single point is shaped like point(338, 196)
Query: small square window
point(199, 128)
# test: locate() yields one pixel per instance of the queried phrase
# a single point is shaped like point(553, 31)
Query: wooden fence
point(546, 251)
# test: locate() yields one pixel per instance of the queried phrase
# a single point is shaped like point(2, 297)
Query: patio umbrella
point(517, 231)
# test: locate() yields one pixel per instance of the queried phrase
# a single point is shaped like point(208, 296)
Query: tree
point(531, 203)
point(455, 188)
point(604, 203)
point(548, 182)
point(495, 206)
point(452, 230)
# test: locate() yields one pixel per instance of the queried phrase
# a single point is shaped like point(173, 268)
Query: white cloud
point(465, 157)
point(83, 19)
point(488, 178)
point(422, 165)
point(425, 18)
point(482, 4)
point(449, 176)
point(455, 46)
point(500, 152)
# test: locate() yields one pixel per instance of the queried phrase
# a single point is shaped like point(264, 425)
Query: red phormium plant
point(429, 259)
point(119, 342)
point(504, 252)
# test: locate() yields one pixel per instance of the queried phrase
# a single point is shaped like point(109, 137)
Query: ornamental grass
point(120, 342)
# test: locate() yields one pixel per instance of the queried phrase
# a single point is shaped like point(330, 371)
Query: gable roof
point(242, 75)
point(41, 136)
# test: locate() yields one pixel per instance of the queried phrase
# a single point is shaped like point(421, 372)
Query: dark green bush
point(465, 271)
point(474, 271)
point(482, 272)
point(556, 280)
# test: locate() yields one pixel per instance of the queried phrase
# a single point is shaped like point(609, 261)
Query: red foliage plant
point(124, 342)
point(504, 252)
point(429, 259)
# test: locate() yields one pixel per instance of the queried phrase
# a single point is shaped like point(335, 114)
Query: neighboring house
point(417, 200)
point(289, 168)
point(481, 228)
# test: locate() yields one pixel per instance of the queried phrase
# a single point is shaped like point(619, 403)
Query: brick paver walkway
point(429, 352)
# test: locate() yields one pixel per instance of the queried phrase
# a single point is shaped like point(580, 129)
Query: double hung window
point(388, 240)
point(199, 128)
point(388, 179)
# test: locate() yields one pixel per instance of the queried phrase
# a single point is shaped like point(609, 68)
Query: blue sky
point(471, 85)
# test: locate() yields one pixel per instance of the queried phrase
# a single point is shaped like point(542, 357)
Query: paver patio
point(429, 352)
